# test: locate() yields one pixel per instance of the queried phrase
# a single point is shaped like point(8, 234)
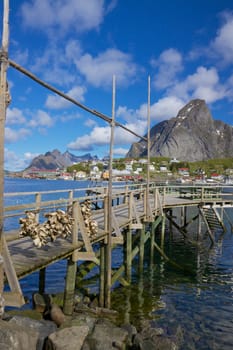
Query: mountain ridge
point(53, 160)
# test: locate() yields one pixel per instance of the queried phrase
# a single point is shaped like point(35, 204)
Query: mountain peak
point(191, 136)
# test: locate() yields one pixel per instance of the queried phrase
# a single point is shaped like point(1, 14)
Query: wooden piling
point(102, 275)
point(69, 287)
point(141, 247)
point(163, 231)
point(152, 239)
point(128, 259)
point(4, 100)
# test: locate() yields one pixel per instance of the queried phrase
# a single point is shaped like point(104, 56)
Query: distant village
point(134, 170)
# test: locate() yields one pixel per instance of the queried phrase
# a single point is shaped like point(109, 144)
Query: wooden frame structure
point(125, 223)
point(130, 229)
point(4, 62)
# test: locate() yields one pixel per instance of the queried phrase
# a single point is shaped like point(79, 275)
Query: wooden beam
point(69, 287)
point(87, 256)
point(12, 279)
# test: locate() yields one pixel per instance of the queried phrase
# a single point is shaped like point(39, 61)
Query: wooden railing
point(17, 203)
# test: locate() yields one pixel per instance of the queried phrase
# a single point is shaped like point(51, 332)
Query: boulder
point(15, 337)
point(71, 338)
point(106, 336)
point(40, 328)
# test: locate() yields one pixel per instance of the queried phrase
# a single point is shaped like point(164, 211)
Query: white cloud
point(73, 50)
point(100, 136)
point(30, 156)
point(54, 64)
point(99, 70)
point(13, 162)
point(90, 123)
point(120, 151)
point(14, 116)
point(223, 44)
point(204, 84)
point(15, 135)
point(166, 108)
point(57, 102)
point(169, 64)
point(19, 56)
point(41, 118)
point(64, 15)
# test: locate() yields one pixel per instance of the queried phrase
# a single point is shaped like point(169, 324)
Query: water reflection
point(200, 304)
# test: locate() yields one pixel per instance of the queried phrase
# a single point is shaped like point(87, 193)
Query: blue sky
point(186, 47)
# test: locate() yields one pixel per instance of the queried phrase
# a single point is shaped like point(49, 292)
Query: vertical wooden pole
point(4, 100)
point(182, 216)
point(199, 226)
point(163, 232)
point(152, 239)
point(71, 267)
point(38, 201)
point(148, 214)
point(170, 224)
point(221, 213)
point(70, 287)
point(109, 243)
point(141, 248)
point(128, 254)
point(71, 196)
point(102, 275)
point(75, 222)
point(185, 215)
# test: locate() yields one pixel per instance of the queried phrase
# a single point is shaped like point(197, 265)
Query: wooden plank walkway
point(27, 258)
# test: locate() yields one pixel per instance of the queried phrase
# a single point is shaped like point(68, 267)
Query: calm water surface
point(195, 305)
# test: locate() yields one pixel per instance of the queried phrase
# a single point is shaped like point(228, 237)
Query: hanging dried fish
point(91, 225)
point(58, 224)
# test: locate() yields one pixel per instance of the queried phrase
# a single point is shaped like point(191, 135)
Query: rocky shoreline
point(89, 328)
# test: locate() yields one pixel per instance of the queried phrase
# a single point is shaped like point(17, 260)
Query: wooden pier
point(134, 218)
point(126, 216)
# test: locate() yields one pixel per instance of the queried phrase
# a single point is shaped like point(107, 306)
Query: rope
point(72, 100)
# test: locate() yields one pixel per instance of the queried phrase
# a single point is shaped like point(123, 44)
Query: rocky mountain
point(192, 135)
point(56, 160)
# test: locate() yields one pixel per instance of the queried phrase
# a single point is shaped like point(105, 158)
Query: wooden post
point(199, 226)
point(148, 213)
point(71, 267)
point(163, 231)
point(109, 243)
point(102, 275)
point(75, 223)
point(141, 248)
point(185, 215)
point(170, 224)
point(4, 100)
point(71, 196)
point(128, 261)
point(152, 239)
point(126, 199)
point(69, 287)
point(182, 216)
point(38, 201)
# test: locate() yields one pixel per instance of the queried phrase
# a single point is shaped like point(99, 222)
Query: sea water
point(194, 304)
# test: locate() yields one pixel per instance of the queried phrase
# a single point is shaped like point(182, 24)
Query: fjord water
point(193, 305)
